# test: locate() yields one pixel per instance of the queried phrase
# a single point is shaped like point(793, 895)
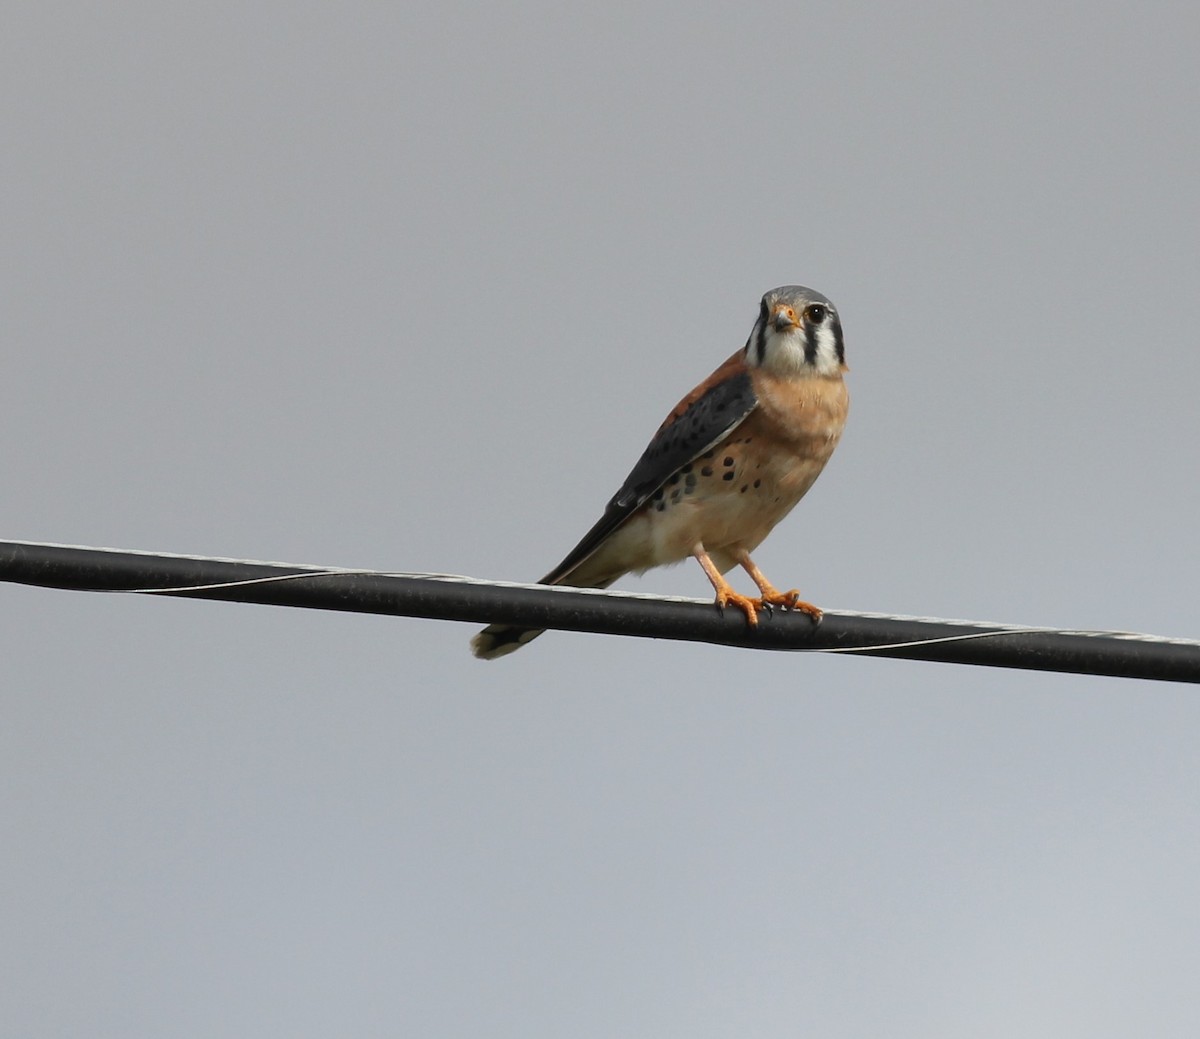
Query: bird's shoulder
point(700, 419)
point(704, 417)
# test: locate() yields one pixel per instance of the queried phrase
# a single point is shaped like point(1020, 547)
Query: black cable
point(444, 597)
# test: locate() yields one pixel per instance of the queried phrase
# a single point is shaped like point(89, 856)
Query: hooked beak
point(784, 318)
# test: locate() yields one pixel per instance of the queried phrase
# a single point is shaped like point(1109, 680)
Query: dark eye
point(815, 313)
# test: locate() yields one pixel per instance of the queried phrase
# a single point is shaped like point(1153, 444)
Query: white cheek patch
point(827, 358)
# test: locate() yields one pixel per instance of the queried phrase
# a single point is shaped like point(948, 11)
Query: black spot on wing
point(708, 419)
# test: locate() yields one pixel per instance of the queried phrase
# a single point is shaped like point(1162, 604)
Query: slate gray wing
point(701, 420)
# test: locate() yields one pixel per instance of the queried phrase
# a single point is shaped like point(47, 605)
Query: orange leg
point(725, 593)
point(772, 596)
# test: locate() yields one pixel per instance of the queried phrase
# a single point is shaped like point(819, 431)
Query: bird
point(732, 459)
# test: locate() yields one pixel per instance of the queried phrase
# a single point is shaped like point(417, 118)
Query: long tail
point(498, 640)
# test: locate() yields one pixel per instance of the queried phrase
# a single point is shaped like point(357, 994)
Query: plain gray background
point(409, 288)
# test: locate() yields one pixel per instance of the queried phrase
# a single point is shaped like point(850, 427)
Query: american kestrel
point(730, 461)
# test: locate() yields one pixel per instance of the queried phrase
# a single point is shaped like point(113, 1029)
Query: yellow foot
point(789, 601)
point(728, 597)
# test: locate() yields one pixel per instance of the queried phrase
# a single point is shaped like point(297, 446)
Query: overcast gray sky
point(409, 288)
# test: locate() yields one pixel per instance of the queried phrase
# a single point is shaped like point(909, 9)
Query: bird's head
point(798, 332)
